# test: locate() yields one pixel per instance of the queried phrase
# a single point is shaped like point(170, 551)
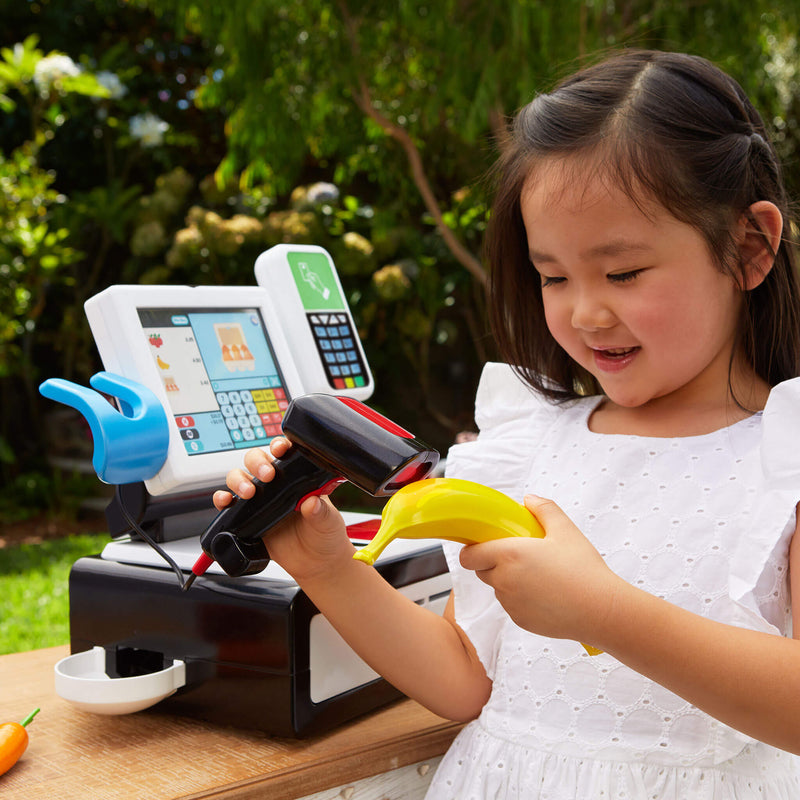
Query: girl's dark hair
point(667, 126)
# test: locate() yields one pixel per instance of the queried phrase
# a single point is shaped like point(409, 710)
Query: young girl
point(644, 290)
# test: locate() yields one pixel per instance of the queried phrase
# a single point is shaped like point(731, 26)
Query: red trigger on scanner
point(325, 489)
point(364, 531)
point(375, 417)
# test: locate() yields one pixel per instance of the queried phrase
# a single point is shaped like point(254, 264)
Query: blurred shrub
point(107, 175)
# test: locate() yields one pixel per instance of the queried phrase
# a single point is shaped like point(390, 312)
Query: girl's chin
point(626, 402)
point(624, 396)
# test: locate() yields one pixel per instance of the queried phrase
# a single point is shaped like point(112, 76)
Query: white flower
point(322, 193)
point(110, 80)
point(148, 128)
point(51, 69)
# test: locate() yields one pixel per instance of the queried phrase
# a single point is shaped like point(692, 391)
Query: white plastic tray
point(81, 679)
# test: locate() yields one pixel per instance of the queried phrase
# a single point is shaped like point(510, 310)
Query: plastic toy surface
point(129, 445)
point(454, 509)
point(82, 680)
point(450, 508)
point(334, 439)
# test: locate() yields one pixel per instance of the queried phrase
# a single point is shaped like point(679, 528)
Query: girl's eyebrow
point(615, 247)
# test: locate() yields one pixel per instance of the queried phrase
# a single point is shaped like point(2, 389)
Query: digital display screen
point(224, 386)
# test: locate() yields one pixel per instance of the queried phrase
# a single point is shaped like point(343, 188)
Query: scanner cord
point(135, 527)
point(199, 568)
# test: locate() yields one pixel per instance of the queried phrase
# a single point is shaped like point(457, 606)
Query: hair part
point(664, 126)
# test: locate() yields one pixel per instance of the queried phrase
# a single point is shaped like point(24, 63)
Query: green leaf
point(84, 84)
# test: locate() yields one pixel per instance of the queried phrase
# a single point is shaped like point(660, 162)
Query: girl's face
point(630, 292)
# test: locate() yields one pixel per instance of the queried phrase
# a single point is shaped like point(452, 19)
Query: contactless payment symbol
point(315, 281)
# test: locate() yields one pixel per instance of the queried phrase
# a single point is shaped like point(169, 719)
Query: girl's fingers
point(279, 445)
point(221, 499)
point(259, 463)
point(479, 557)
point(240, 483)
point(261, 468)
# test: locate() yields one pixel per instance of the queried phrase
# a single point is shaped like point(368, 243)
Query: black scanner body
point(334, 439)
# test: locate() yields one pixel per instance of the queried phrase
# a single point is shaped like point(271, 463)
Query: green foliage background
point(262, 106)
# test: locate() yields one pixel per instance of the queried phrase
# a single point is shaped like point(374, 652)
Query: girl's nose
point(590, 313)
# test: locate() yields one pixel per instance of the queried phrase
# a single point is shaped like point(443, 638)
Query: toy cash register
point(200, 374)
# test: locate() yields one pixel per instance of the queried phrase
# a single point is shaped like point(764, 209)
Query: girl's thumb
point(317, 511)
point(544, 510)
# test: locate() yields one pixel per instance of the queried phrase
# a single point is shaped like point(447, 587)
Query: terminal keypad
point(338, 347)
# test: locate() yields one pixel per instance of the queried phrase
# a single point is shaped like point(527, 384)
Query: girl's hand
point(558, 586)
point(305, 544)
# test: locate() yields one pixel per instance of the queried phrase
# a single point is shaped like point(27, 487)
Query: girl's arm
point(426, 656)
point(746, 679)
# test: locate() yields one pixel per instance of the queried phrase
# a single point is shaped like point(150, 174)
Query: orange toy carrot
point(13, 741)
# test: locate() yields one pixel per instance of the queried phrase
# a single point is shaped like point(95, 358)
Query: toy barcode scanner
point(334, 439)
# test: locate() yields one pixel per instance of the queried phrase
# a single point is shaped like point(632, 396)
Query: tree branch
point(363, 100)
point(400, 135)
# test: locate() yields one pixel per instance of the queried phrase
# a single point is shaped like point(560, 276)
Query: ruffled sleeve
point(780, 448)
point(762, 554)
point(511, 418)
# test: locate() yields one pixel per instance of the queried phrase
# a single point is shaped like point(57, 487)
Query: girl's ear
point(758, 236)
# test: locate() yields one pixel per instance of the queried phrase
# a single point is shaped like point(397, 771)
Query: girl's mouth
point(613, 359)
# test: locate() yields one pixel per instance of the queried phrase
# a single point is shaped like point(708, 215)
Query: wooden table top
point(75, 755)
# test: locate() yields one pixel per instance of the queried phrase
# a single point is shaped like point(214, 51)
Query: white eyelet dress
point(704, 522)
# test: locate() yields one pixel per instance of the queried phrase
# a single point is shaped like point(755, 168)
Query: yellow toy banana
point(449, 508)
point(454, 509)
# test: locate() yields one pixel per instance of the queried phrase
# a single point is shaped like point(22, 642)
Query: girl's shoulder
point(780, 435)
point(513, 419)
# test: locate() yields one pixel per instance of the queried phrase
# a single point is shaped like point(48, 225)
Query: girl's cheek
point(558, 319)
point(551, 316)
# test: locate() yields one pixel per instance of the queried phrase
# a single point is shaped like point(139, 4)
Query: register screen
point(220, 375)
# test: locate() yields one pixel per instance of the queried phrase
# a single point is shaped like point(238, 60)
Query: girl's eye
point(624, 277)
point(551, 281)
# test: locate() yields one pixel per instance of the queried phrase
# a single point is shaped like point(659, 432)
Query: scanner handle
point(296, 478)
point(334, 439)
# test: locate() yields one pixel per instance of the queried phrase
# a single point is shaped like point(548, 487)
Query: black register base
point(257, 653)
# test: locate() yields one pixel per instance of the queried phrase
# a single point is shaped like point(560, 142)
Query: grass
point(34, 591)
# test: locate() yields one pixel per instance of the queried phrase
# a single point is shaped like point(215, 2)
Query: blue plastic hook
point(129, 445)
